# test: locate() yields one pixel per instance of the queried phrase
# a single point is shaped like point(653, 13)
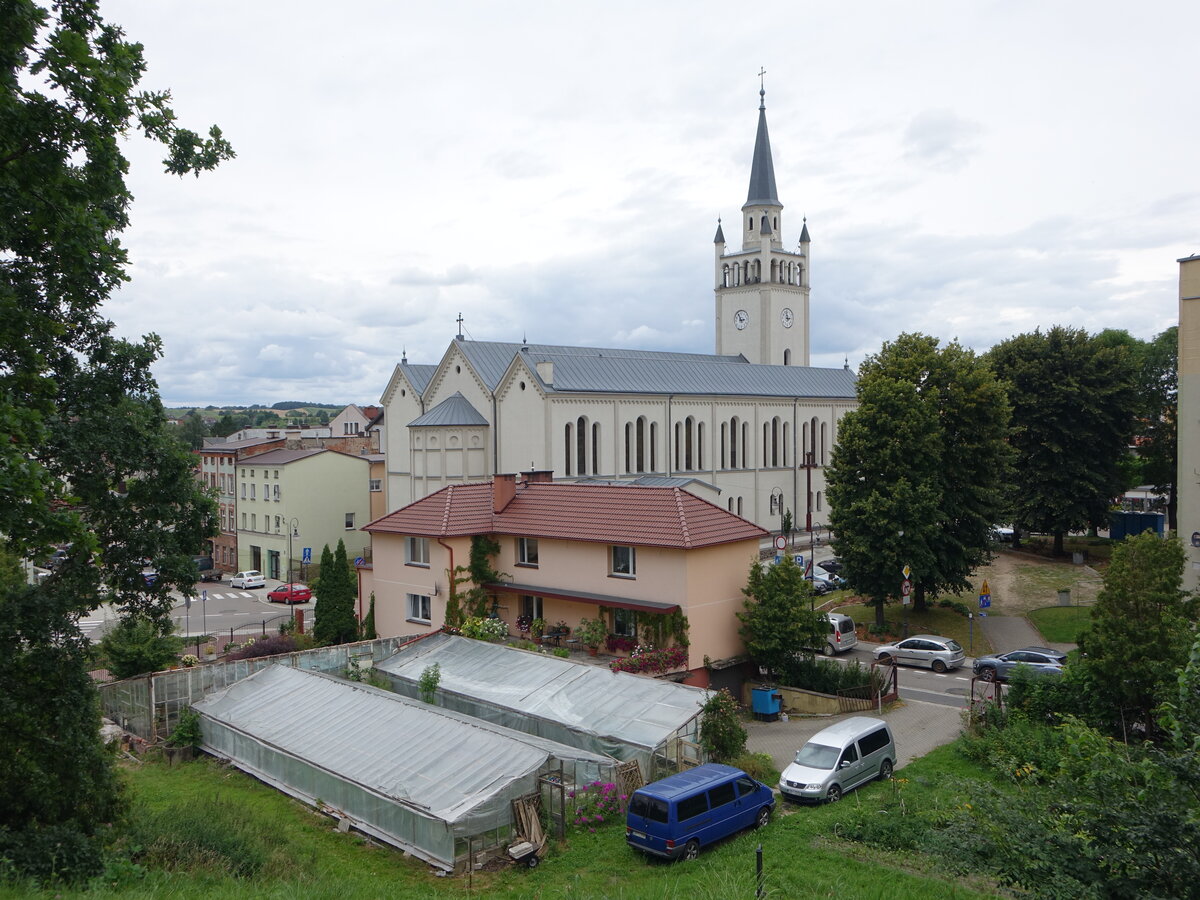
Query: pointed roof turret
point(804, 238)
point(720, 236)
point(762, 170)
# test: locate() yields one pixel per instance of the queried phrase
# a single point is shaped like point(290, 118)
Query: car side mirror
point(845, 763)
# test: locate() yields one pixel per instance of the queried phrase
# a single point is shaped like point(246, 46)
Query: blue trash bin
point(765, 703)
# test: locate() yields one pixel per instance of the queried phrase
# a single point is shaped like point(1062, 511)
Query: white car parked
point(248, 579)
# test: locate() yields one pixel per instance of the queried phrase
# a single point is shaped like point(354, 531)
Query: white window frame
point(616, 566)
point(276, 493)
point(349, 521)
point(420, 608)
point(416, 551)
point(524, 556)
point(376, 485)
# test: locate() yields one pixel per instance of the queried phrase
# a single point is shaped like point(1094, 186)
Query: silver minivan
point(841, 634)
point(839, 759)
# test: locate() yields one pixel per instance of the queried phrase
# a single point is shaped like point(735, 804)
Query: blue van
point(681, 813)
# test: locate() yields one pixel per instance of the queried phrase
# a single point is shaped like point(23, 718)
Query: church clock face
point(786, 317)
point(741, 319)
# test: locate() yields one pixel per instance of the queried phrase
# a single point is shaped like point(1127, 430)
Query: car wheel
point(763, 817)
point(987, 674)
point(691, 849)
point(939, 666)
point(533, 861)
point(827, 650)
point(835, 793)
point(885, 659)
point(885, 770)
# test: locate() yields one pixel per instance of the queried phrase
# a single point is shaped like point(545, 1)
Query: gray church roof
point(704, 377)
point(419, 376)
point(454, 410)
point(720, 236)
point(491, 359)
point(762, 170)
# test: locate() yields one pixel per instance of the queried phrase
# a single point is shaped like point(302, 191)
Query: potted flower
point(538, 627)
point(523, 624)
point(592, 633)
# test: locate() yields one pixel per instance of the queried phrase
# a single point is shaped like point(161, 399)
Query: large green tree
point(778, 620)
point(1157, 437)
point(85, 457)
point(1141, 632)
point(918, 471)
point(1074, 404)
point(336, 592)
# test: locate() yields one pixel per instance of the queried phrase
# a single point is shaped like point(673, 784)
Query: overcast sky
point(555, 170)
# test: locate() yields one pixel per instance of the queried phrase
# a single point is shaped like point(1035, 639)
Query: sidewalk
point(1011, 632)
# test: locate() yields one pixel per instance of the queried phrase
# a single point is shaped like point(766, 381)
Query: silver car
point(1041, 661)
point(932, 650)
point(839, 759)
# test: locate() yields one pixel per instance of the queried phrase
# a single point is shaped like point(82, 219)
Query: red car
point(290, 593)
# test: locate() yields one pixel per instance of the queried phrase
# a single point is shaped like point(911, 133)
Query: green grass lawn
point(1061, 624)
point(199, 822)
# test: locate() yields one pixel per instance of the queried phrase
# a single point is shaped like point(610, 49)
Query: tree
point(85, 458)
point(193, 431)
point(1158, 386)
point(336, 591)
point(368, 625)
point(1141, 632)
point(138, 645)
point(1073, 403)
point(917, 475)
point(778, 620)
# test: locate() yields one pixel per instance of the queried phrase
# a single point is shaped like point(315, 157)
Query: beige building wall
point(319, 499)
point(1189, 417)
point(707, 584)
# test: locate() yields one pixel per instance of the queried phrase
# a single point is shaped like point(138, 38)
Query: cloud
point(940, 139)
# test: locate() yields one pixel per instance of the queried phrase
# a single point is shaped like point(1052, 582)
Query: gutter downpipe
point(450, 577)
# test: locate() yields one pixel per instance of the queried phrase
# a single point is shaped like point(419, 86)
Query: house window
point(277, 524)
point(531, 607)
point(419, 608)
point(253, 495)
point(266, 491)
point(276, 474)
point(350, 522)
point(416, 551)
point(243, 521)
point(243, 490)
point(527, 552)
point(623, 561)
point(276, 493)
point(253, 522)
point(625, 622)
point(376, 485)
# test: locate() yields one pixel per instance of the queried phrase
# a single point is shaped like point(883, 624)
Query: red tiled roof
point(603, 513)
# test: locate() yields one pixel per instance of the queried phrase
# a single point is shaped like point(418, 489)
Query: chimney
point(504, 488)
point(539, 475)
point(545, 370)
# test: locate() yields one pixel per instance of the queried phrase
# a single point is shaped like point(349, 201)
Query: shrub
point(596, 804)
point(264, 646)
point(562, 652)
point(957, 605)
point(825, 676)
point(721, 733)
point(484, 629)
point(619, 643)
point(757, 765)
point(652, 661)
point(524, 623)
point(187, 732)
point(427, 684)
point(50, 854)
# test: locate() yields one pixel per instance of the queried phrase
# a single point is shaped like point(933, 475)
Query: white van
point(839, 759)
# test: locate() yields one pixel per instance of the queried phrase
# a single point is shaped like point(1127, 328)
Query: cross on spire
point(459, 320)
point(762, 89)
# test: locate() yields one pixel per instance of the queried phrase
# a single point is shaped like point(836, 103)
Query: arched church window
point(689, 437)
point(724, 442)
point(678, 443)
point(733, 442)
point(628, 447)
point(581, 444)
point(640, 454)
point(653, 446)
point(595, 448)
point(699, 445)
point(775, 223)
point(787, 357)
point(745, 445)
point(752, 223)
point(569, 441)
point(823, 443)
point(787, 443)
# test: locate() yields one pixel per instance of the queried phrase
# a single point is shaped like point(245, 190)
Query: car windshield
point(817, 756)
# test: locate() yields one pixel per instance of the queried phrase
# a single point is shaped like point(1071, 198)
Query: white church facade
point(750, 427)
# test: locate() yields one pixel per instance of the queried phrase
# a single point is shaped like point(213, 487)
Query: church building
point(749, 427)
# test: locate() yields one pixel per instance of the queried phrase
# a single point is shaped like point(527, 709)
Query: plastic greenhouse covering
point(430, 781)
point(617, 714)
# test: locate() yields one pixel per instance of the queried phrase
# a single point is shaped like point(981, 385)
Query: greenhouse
point(615, 714)
point(431, 781)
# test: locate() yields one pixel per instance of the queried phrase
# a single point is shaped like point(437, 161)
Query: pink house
point(568, 551)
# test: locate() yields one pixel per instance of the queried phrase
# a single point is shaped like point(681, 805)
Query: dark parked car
point(1041, 661)
point(832, 566)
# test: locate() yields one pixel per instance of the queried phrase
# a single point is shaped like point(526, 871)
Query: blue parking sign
point(306, 556)
point(985, 600)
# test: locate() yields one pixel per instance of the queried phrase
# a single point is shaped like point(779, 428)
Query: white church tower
point(762, 289)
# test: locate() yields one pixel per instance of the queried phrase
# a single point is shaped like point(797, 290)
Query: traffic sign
point(204, 596)
point(780, 542)
point(798, 558)
point(306, 555)
point(358, 560)
point(985, 600)
point(907, 572)
point(905, 587)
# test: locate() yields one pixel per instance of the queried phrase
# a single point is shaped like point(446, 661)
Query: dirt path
point(1020, 582)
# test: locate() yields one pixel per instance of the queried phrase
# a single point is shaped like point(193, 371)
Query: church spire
point(762, 171)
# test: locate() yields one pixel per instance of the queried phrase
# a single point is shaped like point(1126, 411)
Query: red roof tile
point(603, 513)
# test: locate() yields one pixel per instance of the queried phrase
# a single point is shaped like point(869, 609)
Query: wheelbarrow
point(525, 854)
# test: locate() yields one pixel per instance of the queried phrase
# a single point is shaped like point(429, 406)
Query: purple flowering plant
point(596, 803)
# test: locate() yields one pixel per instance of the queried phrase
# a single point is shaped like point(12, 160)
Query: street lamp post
point(293, 531)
